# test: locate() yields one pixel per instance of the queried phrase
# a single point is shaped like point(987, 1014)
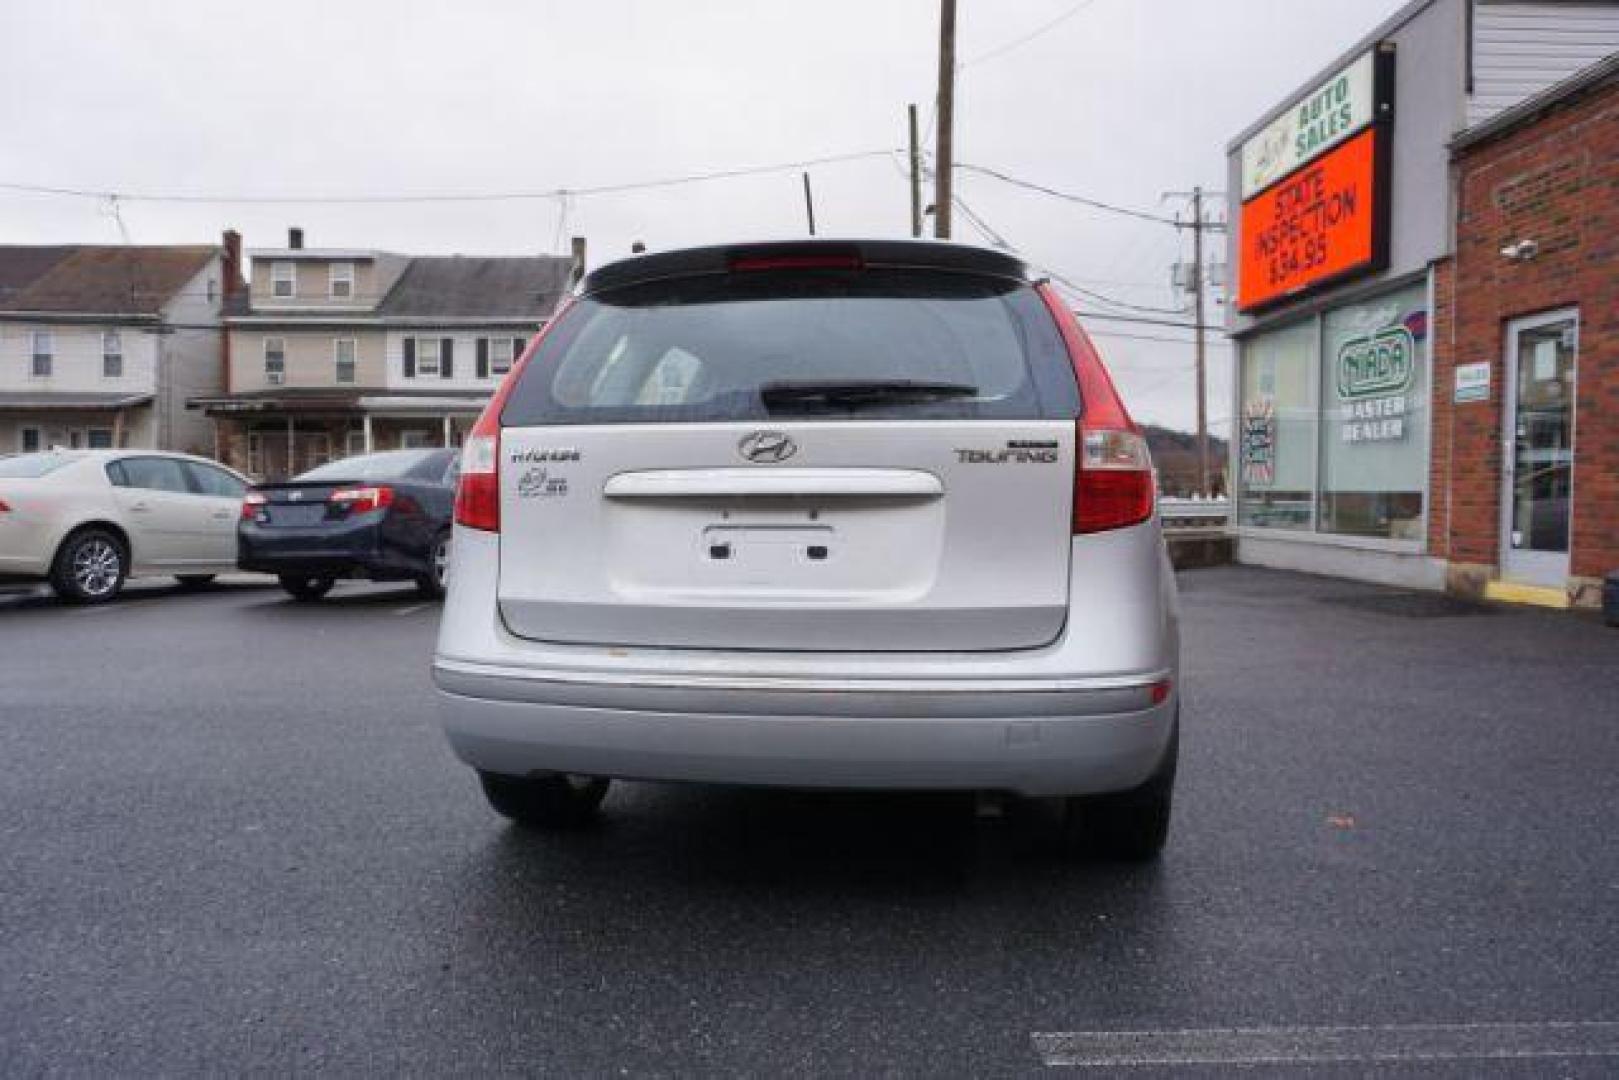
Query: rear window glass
point(746, 347)
point(390, 465)
point(28, 466)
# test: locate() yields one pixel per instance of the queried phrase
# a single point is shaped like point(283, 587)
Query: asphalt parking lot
point(232, 840)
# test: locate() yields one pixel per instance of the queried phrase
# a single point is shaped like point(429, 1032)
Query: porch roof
point(324, 399)
point(41, 399)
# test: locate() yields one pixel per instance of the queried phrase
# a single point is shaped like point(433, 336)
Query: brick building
point(1525, 457)
point(1436, 205)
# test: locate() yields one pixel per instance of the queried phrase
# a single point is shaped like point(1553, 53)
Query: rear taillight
point(362, 500)
point(1114, 484)
point(477, 493)
point(252, 503)
point(477, 496)
point(5, 507)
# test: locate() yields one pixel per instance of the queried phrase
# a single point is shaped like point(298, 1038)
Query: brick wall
point(1556, 182)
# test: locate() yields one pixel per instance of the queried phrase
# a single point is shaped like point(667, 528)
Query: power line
point(486, 196)
point(1043, 28)
point(996, 239)
point(1127, 336)
point(1066, 196)
point(1108, 316)
point(1092, 294)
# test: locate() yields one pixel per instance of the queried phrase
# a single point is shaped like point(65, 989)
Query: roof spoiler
point(803, 255)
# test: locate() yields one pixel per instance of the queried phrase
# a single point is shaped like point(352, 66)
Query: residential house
point(102, 346)
point(334, 352)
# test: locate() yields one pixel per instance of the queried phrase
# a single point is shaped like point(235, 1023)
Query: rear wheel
point(306, 586)
point(554, 801)
point(194, 581)
point(431, 585)
point(90, 567)
point(1124, 826)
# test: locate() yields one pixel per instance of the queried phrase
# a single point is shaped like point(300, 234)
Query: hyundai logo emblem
point(767, 447)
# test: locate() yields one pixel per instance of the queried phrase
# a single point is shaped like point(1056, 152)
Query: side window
point(43, 352)
point(283, 280)
point(211, 481)
point(149, 474)
point(341, 280)
point(112, 354)
point(275, 360)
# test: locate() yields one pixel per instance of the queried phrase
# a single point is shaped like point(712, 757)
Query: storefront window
point(1276, 429)
point(1374, 392)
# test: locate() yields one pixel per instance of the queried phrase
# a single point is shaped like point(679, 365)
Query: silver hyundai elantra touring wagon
point(852, 515)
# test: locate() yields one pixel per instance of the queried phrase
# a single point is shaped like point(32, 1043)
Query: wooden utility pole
point(947, 119)
point(809, 204)
point(916, 176)
point(1197, 308)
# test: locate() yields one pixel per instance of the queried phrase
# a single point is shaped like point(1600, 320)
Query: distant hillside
point(1174, 453)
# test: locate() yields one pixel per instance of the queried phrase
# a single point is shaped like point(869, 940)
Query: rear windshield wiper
point(857, 393)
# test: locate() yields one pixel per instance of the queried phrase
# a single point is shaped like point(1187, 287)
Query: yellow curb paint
point(1508, 592)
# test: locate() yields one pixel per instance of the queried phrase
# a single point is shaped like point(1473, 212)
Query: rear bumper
point(332, 551)
point(1056, 738)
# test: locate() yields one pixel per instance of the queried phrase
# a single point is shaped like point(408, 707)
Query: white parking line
point(1300, 1045)
point(413, 609)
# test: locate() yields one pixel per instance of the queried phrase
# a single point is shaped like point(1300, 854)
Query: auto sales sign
point(1315, 187)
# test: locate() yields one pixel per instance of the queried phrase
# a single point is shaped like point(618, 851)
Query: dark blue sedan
point(383, 517)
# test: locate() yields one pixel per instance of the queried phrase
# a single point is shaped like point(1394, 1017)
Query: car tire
point(554, 801)
point(432, 584)
point(90, 567)
point(306, 587)
point(1124, 826)
point(194, 581)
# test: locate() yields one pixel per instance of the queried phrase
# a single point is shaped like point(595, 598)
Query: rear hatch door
point(844, 460)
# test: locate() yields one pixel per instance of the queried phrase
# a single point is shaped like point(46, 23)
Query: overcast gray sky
point(1122, 101)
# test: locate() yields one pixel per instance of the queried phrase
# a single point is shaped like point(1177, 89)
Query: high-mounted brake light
point(1114, 485)
point(252, 502)
point(477, 493)
point(749, 264)
point(363, 500)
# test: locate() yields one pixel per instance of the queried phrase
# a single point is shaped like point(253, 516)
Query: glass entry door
point(1538, 461)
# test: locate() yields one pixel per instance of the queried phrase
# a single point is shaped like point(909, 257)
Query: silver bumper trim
point(743, 694)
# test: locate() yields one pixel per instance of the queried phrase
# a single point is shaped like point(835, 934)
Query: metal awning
point(72, 402)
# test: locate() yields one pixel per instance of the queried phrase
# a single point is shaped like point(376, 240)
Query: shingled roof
point(96, 279)
point(464, 287)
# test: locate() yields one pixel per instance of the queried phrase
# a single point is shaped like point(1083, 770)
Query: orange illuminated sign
point(1322, 222)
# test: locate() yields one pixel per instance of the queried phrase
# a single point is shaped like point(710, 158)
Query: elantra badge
point(767, 447)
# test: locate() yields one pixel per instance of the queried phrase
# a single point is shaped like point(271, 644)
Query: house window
point(98, 438)
point(342, 280)
point(500, 355)
point(42, 354)
point(343, 350)
point(414, 439)
point(112, 355)
point(283, 279)
point(354, 442)
point(275, 360)
point(255, 453)
point(28, 440)
point(427, 356)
